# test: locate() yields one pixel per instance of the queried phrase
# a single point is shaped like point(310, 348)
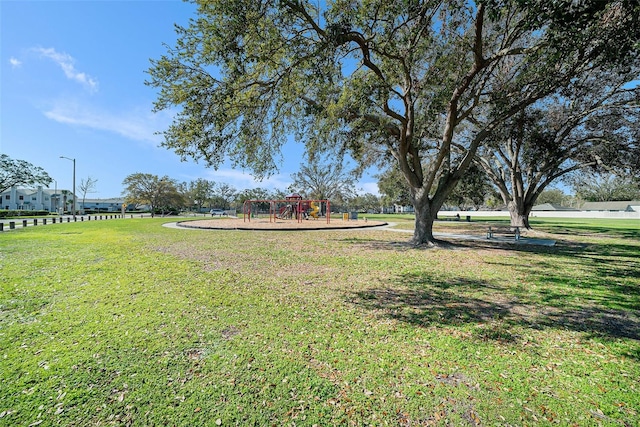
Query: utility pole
point(74, 186)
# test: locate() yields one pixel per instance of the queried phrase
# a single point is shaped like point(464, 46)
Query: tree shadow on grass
point(591, 230)
point(603, 301)
point(612, 266)
point(421, 301)
point(605, 275)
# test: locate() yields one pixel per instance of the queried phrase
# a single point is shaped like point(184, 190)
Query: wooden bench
point(507, 231)
point(454, 218)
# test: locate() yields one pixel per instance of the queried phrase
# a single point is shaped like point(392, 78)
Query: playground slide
point(285, 212)
point(314, 210)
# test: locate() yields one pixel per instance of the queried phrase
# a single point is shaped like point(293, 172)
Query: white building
point(103, 205)
point(45, 199)
point(39, 199)
point(403, 209)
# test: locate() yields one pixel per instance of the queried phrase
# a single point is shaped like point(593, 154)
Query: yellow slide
point(314, 210)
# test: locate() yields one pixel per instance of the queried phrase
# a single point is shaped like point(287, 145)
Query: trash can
point(345, 216)
point(354, 216)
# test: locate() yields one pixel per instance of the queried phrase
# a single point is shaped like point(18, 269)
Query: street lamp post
point(55, 197)
point(74, 185)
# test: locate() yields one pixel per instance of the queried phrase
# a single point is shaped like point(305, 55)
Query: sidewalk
point(521, 241)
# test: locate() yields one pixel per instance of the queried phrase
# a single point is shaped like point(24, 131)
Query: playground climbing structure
point(292, 207)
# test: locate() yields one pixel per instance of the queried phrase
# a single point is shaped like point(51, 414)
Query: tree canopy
point(323, 182)
point(20, 172)
point(554, 196)
point(471, 190)
point(595, 187)
point(393, 187)
point(200, 192)
point(594, 123)
point(389, 82)
point(148, 189)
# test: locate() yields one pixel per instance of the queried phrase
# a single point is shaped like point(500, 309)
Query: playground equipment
point(292, 207)
point(315, 209)
point(286, 212)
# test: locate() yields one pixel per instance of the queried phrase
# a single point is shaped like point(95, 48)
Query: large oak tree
point(385, 81)
point(15, 172)
point(200, 192)
point(323, 181)
point(594, 123)
point(159, 193)
point(606, 187)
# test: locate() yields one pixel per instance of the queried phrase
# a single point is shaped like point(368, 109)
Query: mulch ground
point(280, 224)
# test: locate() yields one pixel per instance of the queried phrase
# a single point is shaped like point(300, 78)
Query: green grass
point(125, 322)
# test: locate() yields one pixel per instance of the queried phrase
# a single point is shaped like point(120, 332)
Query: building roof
point(627, 205)
point(118, 200)
point(552, 207)
point(29, 191)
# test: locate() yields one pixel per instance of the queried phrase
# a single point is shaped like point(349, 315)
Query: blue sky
point(72, 84)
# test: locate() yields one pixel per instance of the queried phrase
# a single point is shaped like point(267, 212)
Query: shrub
point(12, 213)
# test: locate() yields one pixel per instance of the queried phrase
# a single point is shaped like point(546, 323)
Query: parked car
point(218, 212)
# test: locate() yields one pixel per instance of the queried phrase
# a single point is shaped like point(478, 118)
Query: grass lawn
point(126, 322)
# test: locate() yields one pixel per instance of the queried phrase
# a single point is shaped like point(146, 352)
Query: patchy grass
point(126, 322)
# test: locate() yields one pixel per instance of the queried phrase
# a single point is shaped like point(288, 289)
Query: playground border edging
point(182, 224)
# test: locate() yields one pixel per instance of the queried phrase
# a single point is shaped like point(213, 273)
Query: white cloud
point(15, 63)
point(136, 125)
point(66, 62)
point(368, 187)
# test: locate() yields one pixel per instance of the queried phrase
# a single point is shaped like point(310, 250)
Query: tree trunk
point(423, 233)
point(519, 213)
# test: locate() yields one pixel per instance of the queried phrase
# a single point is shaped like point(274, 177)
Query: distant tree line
point(164, 194)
